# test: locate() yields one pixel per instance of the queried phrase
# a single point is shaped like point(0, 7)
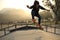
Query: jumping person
point(35, 12)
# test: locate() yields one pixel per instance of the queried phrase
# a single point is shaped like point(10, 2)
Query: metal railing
point(16, 24)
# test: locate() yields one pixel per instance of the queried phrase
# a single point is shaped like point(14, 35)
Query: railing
point(52, 26)
point(4, 29)
point(10, 26)
point(15, 25)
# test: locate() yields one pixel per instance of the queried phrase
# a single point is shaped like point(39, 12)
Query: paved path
point(31, 35)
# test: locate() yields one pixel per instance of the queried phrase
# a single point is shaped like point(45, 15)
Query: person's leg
point(33, 14)
point(39, 21)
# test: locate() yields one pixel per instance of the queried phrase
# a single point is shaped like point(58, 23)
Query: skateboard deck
point(37, 25)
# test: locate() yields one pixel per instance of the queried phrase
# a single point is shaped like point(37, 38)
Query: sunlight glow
point(18, 4)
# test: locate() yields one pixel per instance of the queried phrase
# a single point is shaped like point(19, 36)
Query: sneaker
point(33, 20)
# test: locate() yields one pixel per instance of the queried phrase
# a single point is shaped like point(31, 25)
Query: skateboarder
point(35, 12)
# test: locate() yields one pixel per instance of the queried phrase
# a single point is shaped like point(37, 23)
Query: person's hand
point(28, 6)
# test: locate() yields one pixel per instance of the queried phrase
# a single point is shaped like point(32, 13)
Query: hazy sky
point(18, 4)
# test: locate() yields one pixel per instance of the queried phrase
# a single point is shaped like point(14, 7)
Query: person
point(35, 12)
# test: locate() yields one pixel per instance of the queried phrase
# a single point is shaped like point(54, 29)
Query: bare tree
point(53, 8)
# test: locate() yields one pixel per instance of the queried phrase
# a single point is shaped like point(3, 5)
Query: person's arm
point(29, 7)
point(43, 8)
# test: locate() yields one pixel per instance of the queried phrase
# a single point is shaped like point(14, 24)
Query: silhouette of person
point(35, 12)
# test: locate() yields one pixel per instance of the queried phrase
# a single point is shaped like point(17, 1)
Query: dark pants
point(34, 13)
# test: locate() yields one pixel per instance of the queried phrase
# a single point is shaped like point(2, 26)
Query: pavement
point(30, 33)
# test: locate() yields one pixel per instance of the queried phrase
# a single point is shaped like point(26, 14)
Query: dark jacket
point(36, 6)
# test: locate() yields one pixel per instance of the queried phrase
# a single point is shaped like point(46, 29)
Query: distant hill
point(9, 14)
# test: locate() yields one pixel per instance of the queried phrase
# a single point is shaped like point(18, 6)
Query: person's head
point(36, 2)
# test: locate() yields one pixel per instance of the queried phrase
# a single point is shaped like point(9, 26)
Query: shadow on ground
point(24, 28)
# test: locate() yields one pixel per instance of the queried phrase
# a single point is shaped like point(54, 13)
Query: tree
point(54, 8)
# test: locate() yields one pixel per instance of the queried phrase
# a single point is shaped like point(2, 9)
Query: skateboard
point(37, 25)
